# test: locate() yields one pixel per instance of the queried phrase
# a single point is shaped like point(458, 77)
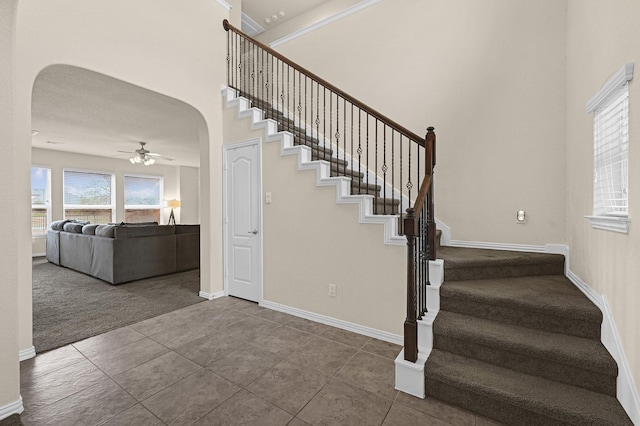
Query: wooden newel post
point(430, 162)
point(410, 324)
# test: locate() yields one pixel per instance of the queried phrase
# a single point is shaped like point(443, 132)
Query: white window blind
point(142, 195)
point(611, 147)
point(88, 196)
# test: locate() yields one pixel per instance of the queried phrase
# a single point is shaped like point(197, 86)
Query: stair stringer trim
point(626, 390)
point(323, 168)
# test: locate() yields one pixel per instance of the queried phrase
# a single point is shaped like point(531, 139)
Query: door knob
point(254, 232)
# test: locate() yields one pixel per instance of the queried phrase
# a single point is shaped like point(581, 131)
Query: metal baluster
point(376, 199)
point(352, 125)
point(402, 231)
point(393, 169)
point(324, 119)
point(344, 139)
point(384, 168)
point(337, 133)
point(359, 150)
point(409, 184)
point(367, 151)
point(330, 136)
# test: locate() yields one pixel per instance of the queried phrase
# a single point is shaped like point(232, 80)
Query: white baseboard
point(548, 248)
point(12, 408)
point(38, 254)
point(211, 296)
point(345, 325)
point(627, 392)
point(28, 353)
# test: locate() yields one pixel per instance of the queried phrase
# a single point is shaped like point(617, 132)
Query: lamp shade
point(172, 203)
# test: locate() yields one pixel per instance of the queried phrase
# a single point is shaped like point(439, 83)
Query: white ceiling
point(80, 111)
point(258, 10)
point(89, 113)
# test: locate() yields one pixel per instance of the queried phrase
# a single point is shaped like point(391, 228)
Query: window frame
point(47, 204)
point(609, 92)
point(112, 206)
point(143, 206)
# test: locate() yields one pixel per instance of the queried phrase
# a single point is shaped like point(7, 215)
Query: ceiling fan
point(144, 156)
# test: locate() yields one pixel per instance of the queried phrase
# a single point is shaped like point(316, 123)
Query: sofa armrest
point(53, 246)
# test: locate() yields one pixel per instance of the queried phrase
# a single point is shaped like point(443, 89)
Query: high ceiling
point(263, 11)
point(79, 111)
point(76, 110)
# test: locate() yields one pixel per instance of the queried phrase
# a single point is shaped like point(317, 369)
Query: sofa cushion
point(74, 227)
point(89, 229)
point(58, 225)
point(143, 231)
point(105, 231)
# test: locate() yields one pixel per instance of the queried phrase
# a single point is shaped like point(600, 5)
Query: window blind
point(87, 188)
point(142, 191)
point(611, 147)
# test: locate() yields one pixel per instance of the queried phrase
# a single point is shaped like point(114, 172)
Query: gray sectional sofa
point(124, 252)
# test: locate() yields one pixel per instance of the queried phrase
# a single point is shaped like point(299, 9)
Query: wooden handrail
point(381, 117)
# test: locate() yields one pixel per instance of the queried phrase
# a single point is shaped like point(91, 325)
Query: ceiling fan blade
point(153, 154)
point(127, 152)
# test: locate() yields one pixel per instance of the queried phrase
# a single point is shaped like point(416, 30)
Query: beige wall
point(490, 77)
point(11, 211)
point(189, 211)
point(601, 37)
point(311, 242)
point(136, 42)
point(179, 183)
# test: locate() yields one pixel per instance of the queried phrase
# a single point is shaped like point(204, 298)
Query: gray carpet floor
point(69, 306)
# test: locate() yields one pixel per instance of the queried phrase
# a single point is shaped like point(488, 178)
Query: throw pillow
point(89, 229)
point(105, 230)
point(58, 225)
point(73, 227)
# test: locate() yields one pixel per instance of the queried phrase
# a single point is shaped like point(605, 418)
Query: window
point(40, 202)
point(142, 195)
point(610, 107)
point(88, 196)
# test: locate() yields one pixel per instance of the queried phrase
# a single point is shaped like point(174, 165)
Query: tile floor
point(225, 362)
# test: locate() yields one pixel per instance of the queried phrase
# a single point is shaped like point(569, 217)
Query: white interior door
point(243, 246)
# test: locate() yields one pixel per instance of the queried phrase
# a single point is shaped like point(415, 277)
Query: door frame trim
point(225, 225)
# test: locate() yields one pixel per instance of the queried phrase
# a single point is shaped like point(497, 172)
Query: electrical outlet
point(333, 290)
point(521, 216)
point(267, 198)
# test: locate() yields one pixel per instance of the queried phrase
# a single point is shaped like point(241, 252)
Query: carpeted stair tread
point(469, 263)
point(340, 171)
point(569, 359)
point(528, 400)
point(552, 294)
point(363, 188)
point(385, 206)
point(551, 303)
point(570, 350)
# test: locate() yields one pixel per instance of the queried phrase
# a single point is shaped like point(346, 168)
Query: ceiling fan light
point(132, 160)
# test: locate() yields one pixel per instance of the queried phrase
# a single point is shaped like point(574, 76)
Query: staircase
point(517, 342)
point(360, 184)
point(513, 339)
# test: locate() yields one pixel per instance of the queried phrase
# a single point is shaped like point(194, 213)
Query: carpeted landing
point(69, 306)
point(517, 342)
